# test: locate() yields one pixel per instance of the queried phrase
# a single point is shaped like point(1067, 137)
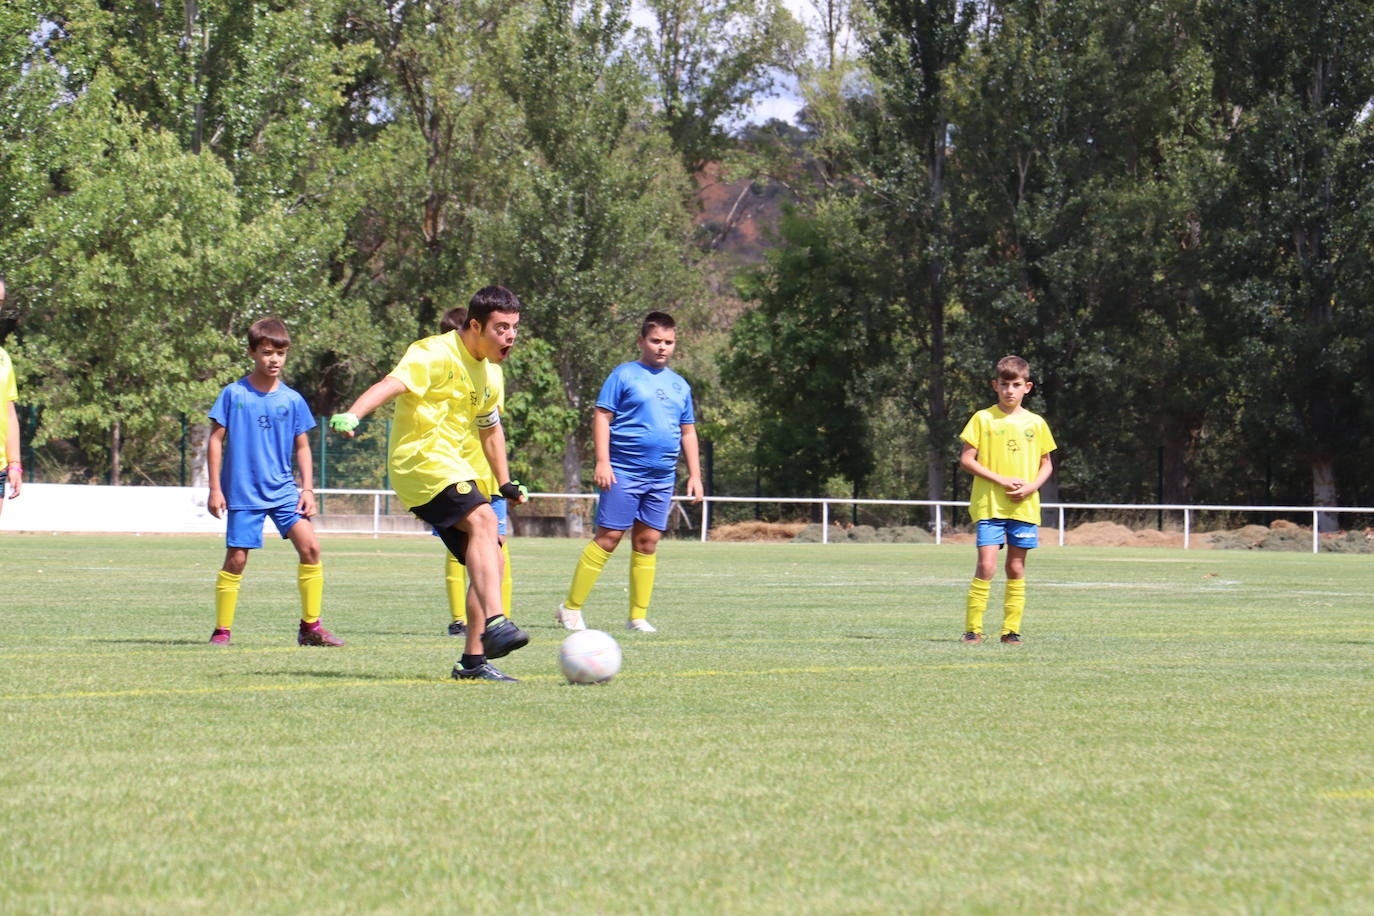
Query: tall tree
point(912, 50)
point(804, 352)
point(597, 228)
point(1084, 146)
point(131, 272)
point(709, 61)
point(1294, 82)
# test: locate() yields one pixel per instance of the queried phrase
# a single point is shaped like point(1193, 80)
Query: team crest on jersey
point(463, 487)
point(1030, 433)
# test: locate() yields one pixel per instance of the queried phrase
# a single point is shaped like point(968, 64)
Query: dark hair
point(490, 299)
point(453, 320)
point(657, 320)
point(270, 330)
point(1013, 367)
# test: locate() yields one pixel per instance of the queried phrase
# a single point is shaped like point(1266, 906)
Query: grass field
point(1183, 732)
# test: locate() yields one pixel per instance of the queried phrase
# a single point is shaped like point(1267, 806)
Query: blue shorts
point(502, 510)
point(245, 525)
point(1001, 531)
point(635, 499)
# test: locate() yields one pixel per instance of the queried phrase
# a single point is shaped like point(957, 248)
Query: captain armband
point(488, 420)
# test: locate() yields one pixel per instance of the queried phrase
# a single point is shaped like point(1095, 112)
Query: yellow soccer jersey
point(448, 395)
point(8, 392)
point(1011, 445)
point(472, 446)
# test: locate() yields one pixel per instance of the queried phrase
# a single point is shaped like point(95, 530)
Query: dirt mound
point(1281, 535)
point(756, 531)
point(866, 534)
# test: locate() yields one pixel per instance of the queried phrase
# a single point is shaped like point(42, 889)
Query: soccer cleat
point(971, 636)
point(483, 672)
point(641, 625)
point(457, 628)
point(1012, 639)
point(502, 638)
point(316, 635)
point(220, 637)
point(568, 618)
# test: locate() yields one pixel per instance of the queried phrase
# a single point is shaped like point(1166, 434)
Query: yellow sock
point(456, 586)
point(588, 570)
point(505, 581)
point(977, 603)
point(310, 581)
point(226, 598)
point(1013, 606)
point(642, 567)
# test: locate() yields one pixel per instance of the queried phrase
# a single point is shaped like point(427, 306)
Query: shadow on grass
point(155, 642)
point(344, 675)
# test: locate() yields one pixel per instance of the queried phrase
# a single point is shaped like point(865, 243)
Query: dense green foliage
point(1165, 206)
point(1172, 738)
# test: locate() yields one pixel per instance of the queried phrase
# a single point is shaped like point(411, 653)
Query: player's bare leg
point(489, 634)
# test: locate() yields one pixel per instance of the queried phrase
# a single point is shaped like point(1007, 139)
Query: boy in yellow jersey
point(445, 397)
point(258, 424)
point(455, 574)
point(11, 470)
point(1007, 450)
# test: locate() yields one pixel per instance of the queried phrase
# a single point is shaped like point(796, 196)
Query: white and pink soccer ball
point(589, 657)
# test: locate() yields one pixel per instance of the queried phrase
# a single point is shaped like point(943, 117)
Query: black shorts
point(450, 507)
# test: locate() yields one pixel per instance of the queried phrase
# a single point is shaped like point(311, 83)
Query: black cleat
point(502, 638)
point(1012, 639)
point(971, 636)
point(457, 628)
point(483, 672)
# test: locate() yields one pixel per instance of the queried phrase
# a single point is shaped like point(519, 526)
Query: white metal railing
point(939, 505)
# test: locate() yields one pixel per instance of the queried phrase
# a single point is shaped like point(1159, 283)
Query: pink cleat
point(312, 634)
point(220, 637)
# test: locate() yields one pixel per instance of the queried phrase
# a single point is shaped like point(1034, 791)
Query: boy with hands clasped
point(1007, 450)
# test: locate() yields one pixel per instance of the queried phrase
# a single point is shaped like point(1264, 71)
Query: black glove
point(514, 491)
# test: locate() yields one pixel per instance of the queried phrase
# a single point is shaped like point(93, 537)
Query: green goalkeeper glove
point(343, 422)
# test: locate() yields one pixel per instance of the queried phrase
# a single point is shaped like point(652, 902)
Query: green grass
point(1183, 732)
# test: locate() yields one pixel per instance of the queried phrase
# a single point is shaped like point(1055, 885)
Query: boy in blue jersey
point(643, 420)
point(259, 423)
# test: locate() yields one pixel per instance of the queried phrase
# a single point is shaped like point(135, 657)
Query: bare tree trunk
point(115, 441)
point(199, 436)
point(1324, 491)
point(572, 482)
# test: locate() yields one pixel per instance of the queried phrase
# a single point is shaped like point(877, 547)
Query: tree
point(1084, 148)
point(596, 232)
point(912, 50)
point(802, 356)
point(709, 61)
point(131, 270)
point(1295, 87)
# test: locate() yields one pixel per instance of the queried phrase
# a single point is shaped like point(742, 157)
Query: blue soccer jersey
point(650, 407)
point(261, 431)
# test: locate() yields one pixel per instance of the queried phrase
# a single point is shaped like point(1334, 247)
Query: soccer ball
point(589, 657)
